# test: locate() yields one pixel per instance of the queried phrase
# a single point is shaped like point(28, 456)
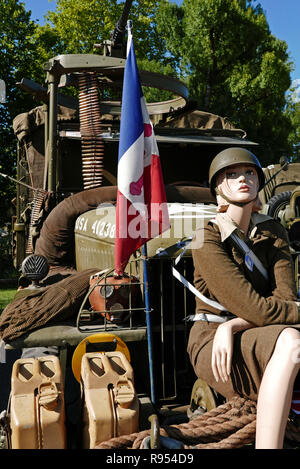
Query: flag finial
point(129, 38)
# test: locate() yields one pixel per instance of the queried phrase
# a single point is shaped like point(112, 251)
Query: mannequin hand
point(222, 352)
point(223, 346)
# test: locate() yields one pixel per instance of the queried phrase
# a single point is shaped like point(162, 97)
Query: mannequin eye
point(250, 172)
point(230, 174)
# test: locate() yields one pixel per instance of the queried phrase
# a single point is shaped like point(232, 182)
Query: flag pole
point(146, 280)
point(139, 170)
point(148, 323)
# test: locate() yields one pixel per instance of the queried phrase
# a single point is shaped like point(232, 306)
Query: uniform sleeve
point(282, 273)
point(227, 285)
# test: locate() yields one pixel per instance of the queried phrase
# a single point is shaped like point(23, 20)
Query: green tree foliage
point(17, 60)
point(79, 24)
point(94, 22)
point(233, 65)
point(293, 113)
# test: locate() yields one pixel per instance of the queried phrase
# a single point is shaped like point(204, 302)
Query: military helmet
point(231, 157)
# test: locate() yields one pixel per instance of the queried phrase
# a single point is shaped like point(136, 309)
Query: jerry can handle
point(48, 395)
point(124, 393)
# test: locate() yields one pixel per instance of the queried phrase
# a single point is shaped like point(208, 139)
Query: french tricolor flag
point(142, 211)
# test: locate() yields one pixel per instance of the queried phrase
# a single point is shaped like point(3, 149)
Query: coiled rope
point(228, 426)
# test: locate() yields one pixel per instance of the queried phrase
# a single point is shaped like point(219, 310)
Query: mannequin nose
point(242, 177)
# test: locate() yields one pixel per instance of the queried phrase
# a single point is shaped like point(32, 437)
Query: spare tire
point(278, 202)
point(57, 239)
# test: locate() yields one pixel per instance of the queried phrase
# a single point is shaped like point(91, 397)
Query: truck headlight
point(114, 298)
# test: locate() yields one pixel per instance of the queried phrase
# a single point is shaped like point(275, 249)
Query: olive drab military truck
point(63, 246)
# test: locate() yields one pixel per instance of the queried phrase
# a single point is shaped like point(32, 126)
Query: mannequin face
point(239, 183)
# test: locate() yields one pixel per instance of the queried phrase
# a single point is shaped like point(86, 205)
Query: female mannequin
point(257, 353)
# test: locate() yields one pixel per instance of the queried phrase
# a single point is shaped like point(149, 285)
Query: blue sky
point(283, 18)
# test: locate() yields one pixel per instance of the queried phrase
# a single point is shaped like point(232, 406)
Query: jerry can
point(37, 408)
point(110, 406)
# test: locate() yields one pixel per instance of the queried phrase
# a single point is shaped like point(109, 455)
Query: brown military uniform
point(221, 275)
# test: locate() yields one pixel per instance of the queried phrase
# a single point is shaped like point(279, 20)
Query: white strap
point(248, 252)
point(210, 317)
point(250, 258)
point(190, 287)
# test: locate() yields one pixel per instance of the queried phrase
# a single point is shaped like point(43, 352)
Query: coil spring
point(92, 146)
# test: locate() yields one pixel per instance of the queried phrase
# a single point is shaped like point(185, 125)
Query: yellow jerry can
point(110, 403)
point(37, 408)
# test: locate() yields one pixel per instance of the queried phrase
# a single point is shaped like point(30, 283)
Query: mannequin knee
point(288, 345)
